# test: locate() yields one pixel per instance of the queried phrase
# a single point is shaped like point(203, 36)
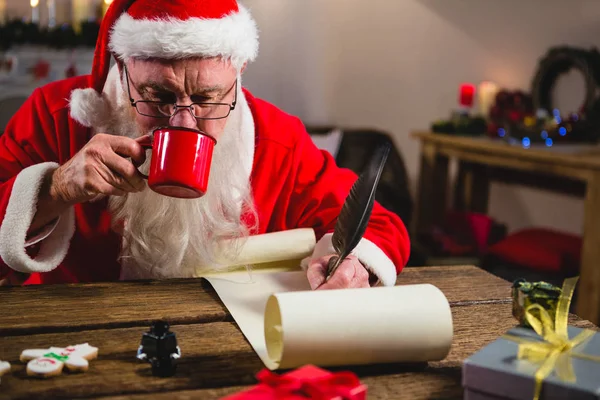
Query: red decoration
point(503, 98)
point(71, 71)
point(509, 111)
point(462, 234)
point(495, 112)
point(41, 70)
point(515, 116)
point(467, 94)
point(541, 249)
point(492, 129)
point(308, 382)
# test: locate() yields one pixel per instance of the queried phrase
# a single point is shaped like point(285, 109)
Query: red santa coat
point(294, 184)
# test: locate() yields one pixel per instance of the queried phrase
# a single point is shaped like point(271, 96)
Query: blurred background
point(359, 72)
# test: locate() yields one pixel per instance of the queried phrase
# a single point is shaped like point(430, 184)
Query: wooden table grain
point(216, 358)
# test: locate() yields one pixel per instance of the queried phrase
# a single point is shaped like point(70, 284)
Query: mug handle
point(146, 142)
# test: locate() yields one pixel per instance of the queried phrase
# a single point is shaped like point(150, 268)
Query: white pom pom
point(89, 108)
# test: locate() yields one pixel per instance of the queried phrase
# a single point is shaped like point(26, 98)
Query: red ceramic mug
point(181, 159)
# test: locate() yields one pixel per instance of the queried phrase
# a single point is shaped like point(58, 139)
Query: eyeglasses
point(159, 109)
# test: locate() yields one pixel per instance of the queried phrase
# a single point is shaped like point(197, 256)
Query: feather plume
point(356, 211)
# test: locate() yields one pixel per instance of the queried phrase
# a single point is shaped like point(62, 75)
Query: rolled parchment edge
point(268, 250)
point(274, 330)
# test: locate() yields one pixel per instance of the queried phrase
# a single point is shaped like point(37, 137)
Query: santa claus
point(74, 207)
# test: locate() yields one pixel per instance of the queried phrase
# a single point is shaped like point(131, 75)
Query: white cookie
point(30, 354)
point(50, 362)
point(4, 367)
point(44, 367)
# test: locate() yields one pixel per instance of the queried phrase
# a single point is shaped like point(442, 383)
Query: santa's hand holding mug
point(100, 169)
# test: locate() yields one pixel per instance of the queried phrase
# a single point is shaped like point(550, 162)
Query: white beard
point(166, 237)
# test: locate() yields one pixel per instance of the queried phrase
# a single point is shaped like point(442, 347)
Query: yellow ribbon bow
point(556, 350)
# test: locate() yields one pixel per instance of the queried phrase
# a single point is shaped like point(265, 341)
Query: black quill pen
point(356, 211)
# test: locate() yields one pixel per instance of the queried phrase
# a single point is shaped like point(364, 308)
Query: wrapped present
point(307, 382)
point(550, 361)
point(524, 294)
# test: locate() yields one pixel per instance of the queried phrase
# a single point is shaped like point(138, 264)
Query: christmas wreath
point(559, 61)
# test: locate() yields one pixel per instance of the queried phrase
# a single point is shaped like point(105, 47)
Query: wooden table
point(573, 169)
point(216, 358)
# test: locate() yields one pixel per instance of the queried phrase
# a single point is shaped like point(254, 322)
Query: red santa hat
point(165, 29)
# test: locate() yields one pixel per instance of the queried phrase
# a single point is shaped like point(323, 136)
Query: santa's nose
point(183, 118)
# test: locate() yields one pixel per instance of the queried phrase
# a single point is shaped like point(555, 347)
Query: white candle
point(35, 11)
point(486, 97)
point(51, 13)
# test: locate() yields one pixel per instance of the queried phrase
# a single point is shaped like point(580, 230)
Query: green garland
point(17, 32)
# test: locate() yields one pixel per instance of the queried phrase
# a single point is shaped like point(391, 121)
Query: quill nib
point(356, 211)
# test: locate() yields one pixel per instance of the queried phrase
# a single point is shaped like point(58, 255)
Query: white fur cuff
point(20, 211)
point(367, 252)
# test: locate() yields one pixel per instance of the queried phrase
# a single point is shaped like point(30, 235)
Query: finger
point(342, 277)
point(319, 269)
point(316, 274)
point(128, 147)
point(97, 186)
point(107, 189)
point(126, 170)
point(114, 179)
point(361, 275)
point(145, 141)
point(96, 157)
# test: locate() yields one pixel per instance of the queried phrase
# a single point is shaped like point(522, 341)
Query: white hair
point(166, 237)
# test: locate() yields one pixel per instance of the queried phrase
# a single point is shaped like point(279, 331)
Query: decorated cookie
point(4, 368)
point(45, 363)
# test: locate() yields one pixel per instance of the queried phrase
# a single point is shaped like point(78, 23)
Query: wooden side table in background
point(573, 168)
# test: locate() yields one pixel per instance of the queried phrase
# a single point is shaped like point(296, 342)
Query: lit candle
point(467, 92)
point(35, 11)
point(486, 98)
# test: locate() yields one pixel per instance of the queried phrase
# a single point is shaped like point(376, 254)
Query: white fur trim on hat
point(234, 37)
point(20, 211)
point(367, 252)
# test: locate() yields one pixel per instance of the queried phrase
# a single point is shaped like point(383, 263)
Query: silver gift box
point(495, 372)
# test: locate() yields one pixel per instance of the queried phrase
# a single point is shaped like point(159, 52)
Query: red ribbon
point(339, 385)
point(281, 383)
